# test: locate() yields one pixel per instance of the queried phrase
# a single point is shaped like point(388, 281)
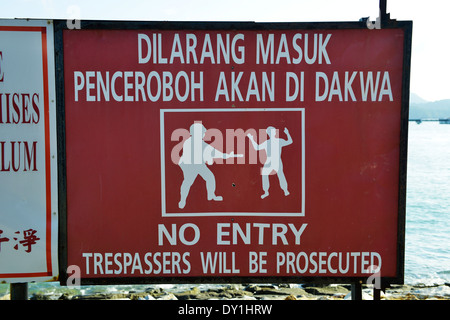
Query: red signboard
point(234, 151)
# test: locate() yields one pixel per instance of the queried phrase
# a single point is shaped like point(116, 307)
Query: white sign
point(28, 156)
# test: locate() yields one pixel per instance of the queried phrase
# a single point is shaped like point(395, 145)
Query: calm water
point(427, 255)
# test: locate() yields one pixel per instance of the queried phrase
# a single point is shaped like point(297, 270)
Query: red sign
point(254, 152)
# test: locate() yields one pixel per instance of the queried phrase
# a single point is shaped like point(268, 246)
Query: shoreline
point(244, 292)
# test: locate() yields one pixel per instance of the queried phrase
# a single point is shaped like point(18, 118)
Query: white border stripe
point(210, 214)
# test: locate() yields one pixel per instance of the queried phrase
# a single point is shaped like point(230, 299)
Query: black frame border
point(61, 25)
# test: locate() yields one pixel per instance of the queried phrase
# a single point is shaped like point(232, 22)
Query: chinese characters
point(20, 240)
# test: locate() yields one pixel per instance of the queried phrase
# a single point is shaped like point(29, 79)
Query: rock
point(410, 296)
point(252, 292)
point(328, 290)
point(140, 296)
point(287, 285)
point(65, 296)
point(95, 296)
point(442, 292)
point(399, 288)
point(188, 295)
point(365, 296)
point(147, 297)
point(39, 296)
point(244, 297)
point(275, 292)
point(325, 298)
point(169, 296)
point(155, 293)
point(237, 292)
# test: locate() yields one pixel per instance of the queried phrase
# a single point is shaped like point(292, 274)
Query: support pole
point(383, 6)
point(356, 291)
point(19, 291)
point(384, 16)
point(376, 294)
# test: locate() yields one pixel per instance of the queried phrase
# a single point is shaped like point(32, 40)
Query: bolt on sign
point(28, 162)
point(233, 151)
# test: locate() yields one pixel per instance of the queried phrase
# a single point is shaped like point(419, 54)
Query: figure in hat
point(196, 155)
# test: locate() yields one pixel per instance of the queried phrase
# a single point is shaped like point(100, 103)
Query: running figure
point(273, 147)
point(196, 155)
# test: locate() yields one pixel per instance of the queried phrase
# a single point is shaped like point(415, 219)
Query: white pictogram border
point(164, 213)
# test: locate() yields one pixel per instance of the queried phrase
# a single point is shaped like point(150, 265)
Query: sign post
point(19, 291)
point(212, 152)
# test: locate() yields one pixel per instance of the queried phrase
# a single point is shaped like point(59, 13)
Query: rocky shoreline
point(253, 292)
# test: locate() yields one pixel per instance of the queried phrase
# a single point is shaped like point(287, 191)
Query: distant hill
point(414, 98)
point(422, 109)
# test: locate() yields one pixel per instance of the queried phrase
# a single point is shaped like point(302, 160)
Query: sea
point(427, 236)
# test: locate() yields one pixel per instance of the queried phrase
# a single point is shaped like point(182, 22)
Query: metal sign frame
point(62, 25)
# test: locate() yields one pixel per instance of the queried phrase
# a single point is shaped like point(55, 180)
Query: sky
point(430, 68)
